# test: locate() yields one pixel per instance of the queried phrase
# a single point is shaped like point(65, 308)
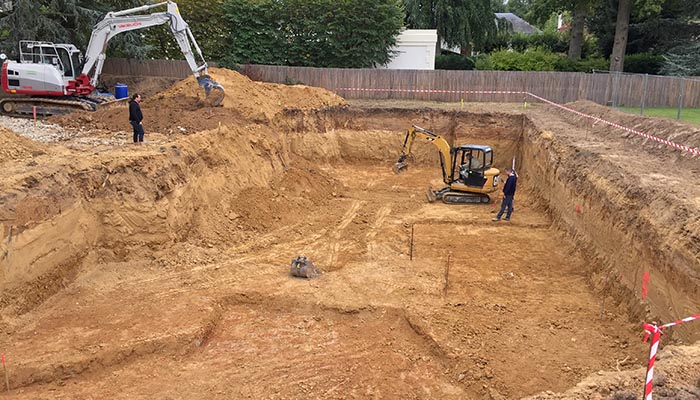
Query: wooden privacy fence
point(439, 85)
point(163, 68)
point(561, 87)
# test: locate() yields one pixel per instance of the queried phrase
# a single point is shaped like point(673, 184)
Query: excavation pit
point(162, 271)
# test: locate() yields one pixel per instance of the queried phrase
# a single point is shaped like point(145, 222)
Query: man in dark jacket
point(136, 118)
point(508, 194)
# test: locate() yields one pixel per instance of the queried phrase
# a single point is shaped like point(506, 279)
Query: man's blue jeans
point(507, 202)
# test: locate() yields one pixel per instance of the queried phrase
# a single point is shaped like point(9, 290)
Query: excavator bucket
point(401, 165)
point(302, 267)
point(214, 90)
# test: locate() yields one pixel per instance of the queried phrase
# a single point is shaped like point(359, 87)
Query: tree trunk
point(576, 37)
point(466, 50)
point(617, 58)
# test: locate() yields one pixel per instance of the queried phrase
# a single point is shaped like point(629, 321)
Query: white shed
point(415, 50)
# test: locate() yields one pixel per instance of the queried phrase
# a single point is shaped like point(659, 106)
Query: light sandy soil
point(162, 271)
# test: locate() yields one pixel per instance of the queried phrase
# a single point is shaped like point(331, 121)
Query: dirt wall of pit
point(130, 202)
point(377, 134)
point(623, 225)
point(221, 185)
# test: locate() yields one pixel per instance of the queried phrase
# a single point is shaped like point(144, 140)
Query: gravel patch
point(39, 130)
point(72, 138)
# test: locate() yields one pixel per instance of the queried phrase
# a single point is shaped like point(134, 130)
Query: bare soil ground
point(162, 271)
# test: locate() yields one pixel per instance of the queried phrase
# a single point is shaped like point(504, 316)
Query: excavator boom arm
point(118, 22)
point(440, 142)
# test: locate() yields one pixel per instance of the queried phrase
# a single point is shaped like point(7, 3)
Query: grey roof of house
point(519, 24)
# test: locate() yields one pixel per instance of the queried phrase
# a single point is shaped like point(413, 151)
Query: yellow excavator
point(466, 169)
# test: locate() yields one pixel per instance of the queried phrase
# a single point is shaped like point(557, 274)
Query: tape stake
point(654, 332)
point(645, 284)
point(578, 209)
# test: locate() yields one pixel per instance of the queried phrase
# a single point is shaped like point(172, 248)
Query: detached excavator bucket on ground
point(214, 91)
point(302, 267)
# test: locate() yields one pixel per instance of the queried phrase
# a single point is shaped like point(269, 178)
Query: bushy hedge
point(530, 60)
point(644, 63)
point(556, 42)
point(536, 60)
point(453, 61)
point(591, 64)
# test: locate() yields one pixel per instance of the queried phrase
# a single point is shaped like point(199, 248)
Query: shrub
point(530, 60)
point(589, 64)
point(644, 63)
point(482, 62)
point(553, 41)
point(453, 61)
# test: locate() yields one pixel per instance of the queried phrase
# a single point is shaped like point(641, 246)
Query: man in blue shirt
point(508, 194)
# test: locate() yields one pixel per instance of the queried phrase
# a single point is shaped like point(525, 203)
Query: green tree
point(498, 6)
point(643, 26)
point(60, 21)
point(683, 60)
point(682, 55)
point(208, 27)
point(316, 33)
point(542, 10)
point(521, 8)
point(458, 22)
point(54, 21)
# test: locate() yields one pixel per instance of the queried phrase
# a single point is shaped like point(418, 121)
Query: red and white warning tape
point(431, 91)
point(681, 147)
point(624, 128)
point(655, 332)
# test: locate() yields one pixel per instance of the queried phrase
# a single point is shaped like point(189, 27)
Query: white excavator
point(52, 79)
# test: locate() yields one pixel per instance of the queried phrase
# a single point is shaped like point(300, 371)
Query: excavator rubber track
point(25, 107)
point(453, 197)
point(465, 198)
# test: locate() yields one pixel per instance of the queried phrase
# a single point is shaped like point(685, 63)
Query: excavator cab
point(64, 57)
point(470, 162)
point(466, 169)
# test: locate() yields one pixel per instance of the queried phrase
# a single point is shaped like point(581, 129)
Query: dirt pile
point(181, 109)
point(248, 97)
point(13, 146)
